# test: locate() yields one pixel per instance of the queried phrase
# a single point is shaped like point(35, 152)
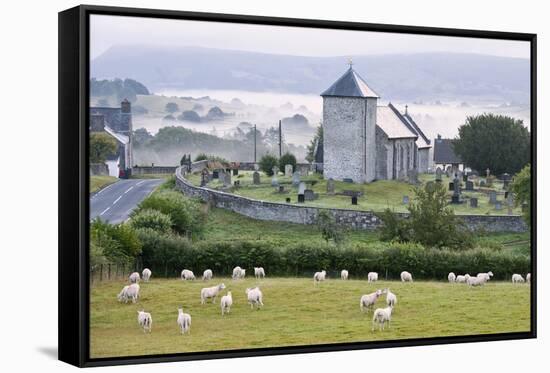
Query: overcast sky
point(107, 31)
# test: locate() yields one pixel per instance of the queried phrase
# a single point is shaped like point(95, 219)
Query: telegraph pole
point(254, 144)
point(280, 140)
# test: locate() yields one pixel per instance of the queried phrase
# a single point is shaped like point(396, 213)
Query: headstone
point(287, 199)
point(309, 195)
point(237, 183)
point(235, 171)
point(438, 174)
point(405, 200)
point(301, 188)
point(296, 178)
point(256, 178)
point(506, 184)
point(301, 198)
point(354, 200)
point(498, 205)
point(449, 171)
point(488, 172)
point(348, 180)
point(482, 183)
point(256, 167)
point(456, 190)
point(227, 179)
point(215, 174)
point(451, 186)
point(330, 186)
point(469, 185)
point(473, 202)
point(274, 180)
point(492, 197)
point(510, 199)
point(465, 177)
point(288, 170)
point(275, 170)
point(281, 189)
point(413, 176)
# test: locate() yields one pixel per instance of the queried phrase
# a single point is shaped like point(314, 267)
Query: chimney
point(125, 106)
point(406, 109)
point(97, 123)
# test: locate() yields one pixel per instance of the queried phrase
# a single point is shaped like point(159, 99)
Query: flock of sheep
point(381, 316)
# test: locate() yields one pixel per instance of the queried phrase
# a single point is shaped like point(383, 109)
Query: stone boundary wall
point(249, 166)
point(363, 220)
point(143, 170)
point(99, 169)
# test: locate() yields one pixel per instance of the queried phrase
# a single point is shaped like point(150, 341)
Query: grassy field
point(378, 195)
point(99, 182)
point(296, 313)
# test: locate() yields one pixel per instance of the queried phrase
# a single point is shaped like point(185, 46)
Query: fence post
point(101, 272)
point(109, 272)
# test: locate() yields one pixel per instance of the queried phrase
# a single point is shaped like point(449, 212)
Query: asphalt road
point(115, 202)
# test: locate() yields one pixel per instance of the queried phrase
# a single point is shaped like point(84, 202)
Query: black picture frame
point(74, 284)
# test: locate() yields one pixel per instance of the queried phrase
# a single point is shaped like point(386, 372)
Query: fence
point(111, 271)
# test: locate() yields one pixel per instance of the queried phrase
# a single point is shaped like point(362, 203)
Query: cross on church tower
point(350, 63)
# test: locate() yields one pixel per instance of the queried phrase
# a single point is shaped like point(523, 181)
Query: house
point(445, 156)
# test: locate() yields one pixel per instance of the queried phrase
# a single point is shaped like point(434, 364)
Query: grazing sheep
point(207, 275)
point(451, 277)
point(319, 276)
point(211, 292)
point(255, 297)
point(226, 302)
point(382, 316)
point(259, 272)
point(369, 300)
point(372, 277)
point(129, 292)
point(476, 281)
point(344, 275)
point(391, 298)
point(243, 273)
point(146, 274)
point(122, 296)
point(406, 277)
point(134, 278)
point(486, 276)
point(237, 271)
point(145, 320)
point(528, 278)
point(187, 275)
point(517, 278)
point(184, 321)
point(460, 279)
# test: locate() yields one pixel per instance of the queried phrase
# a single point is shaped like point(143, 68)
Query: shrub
point(330, 231)
point(267, 162)
point(287, 158)
point(152, 219)
point(521, 187)
point(117, 243)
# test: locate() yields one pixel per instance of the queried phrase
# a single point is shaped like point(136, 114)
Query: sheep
point(187, 275)
point(243, 273)
point(381, 316)
point(145, 320)
point(255, 297)
point(369, 300)
point(528, 278)
point(319, 276)
point(259, 272)
point(406, 277)
point(486, 276)
point(132, 293)
point(207, 275)
point(184, 321)
point(237, 271)
point(462, 278)
point(391, 298)
point(451, 277)
point(146, 274)
point(122, 296)
point(372, 277)
point(476, 281)
point(344, 275)
point(516, 278)
point(226, 302)
point(134, 278)
point(211, 292)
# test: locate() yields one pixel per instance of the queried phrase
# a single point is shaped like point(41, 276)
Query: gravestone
point(237, 183)
point(488, 172)
point(330, 186)
point(405, 200)
point(498, 205)
point(438, 174)
point(227, 179)
point(456, 193)
point(413, 176)
point(451, 186)
point(510, 199)
point(309, 195)
point(492, 197)
point(215, 174)
point(256, 167)
point(275, 170)
point(482, 183)
point(301, 198)
point(281, 189)
point(469, 185)
point(296, 178)
point(465, 177)
point(506, 184)
point(354, 200)
point(274, 180)
point(288, 170)
point(235, 171)
point(301, 188)
point(347, 180)
point(473, 202)
point(449, 171)
point(256, 178)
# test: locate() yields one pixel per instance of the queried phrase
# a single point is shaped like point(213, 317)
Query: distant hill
point(424, 76)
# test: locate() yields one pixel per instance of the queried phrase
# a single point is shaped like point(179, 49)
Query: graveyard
point(474, 198)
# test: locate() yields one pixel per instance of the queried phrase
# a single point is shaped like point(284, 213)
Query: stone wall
point(144, 170)
point(99, 169)
point(363, 220)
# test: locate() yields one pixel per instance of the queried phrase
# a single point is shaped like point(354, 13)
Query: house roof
point(350, 85)
point(422, 141)
point(391, 122)
point(123, 139)
point(444, 152)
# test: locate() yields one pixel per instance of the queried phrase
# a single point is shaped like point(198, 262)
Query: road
point(115, 202)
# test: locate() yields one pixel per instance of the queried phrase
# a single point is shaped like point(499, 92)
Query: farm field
point(297, 313)
point(379, 195)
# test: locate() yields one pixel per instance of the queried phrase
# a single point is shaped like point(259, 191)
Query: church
point(363, 141)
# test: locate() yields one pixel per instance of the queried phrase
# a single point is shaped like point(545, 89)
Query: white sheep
point(146, 274)
point(462, 279)
point(368, 300)
point(259, 272)
point(226, 302)
point(528, 278)
point(211, 292)
point(207, 275)
point(129, 292)
point(451, 277)
point(391, 298)
point(372, 277)
point(122, 296)
point(243, 273)
point(187, 275)
point(184, 321)
point(236, 273)
point(255, 297)
point(145, 320)
point(344, 274)
point(134, 278)
point(517, 278)
point(319, 276)
point(486, 276)
point(381, 317)
point(406, 277)
point(476, 281)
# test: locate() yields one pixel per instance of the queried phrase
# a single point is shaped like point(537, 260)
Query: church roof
point(422, 142)
point(350, 85)
point(391, 122)
point(444, 152)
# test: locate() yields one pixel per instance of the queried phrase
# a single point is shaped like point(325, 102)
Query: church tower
point(349, 129)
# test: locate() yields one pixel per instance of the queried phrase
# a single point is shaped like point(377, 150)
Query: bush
point(151, 219)
point(267, 162)
point(330, 231)
point(116, 243)
point(287, 158)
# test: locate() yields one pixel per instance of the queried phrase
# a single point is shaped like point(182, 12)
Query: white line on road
point(129, 189)
point(141, 182)
point(116, 200)
point(104, 211)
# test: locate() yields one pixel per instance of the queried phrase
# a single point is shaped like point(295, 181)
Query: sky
point(107, 31)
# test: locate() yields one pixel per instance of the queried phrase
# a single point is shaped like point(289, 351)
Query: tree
point(318, 138)
point(102, 145)
point(171, 107)
point(267, 162)
point(328, 227)
point(499, 143)
point(287, 158)
point(141, 136)
point(521, 187)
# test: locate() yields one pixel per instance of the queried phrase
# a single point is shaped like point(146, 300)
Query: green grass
point(377, 196)
point(296, 313)
point(99, 182)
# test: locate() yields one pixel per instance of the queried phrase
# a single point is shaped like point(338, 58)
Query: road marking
point(129, 189)
point(104, 211)
point(116, 200)
point(141, 182)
